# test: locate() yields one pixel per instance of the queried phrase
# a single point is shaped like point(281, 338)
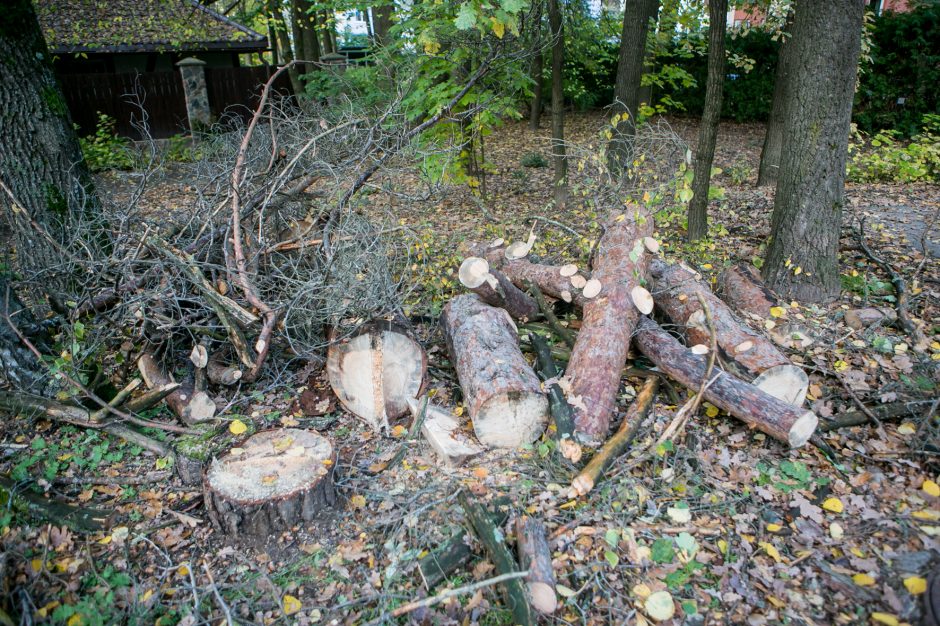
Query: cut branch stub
point(495, 289)
point(502, 393)
point(376, 372)
point(273, 481)
point(187, 404)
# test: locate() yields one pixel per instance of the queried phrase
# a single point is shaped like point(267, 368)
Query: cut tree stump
point(376, 371)
point(620, 264)
point(536, 557)
point(751, 355)
point(274, 480)
point(495, 289)
point(744, 401)
point(501, 391)
point(742, 287)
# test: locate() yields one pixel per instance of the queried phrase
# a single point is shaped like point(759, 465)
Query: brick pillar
point(193, 73)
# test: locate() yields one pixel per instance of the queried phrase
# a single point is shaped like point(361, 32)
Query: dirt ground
point(736, 527)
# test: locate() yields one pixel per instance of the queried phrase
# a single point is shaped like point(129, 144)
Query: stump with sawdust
point(273, 481)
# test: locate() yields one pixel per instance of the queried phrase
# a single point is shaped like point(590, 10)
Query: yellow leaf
point(237, 427)
point(44, 611)
point(926, 515)
point(906, 429)
point(840, 365)
point(931, 488)
point(915, 585)
point(833, 504)
point(358, 501)
point(499, 29)
point(182, 570)
point(863, 580)
point(885, 618)
point(774, 528)
point(77, 619)
point(399, 431)
point(771, 551)
point(36, 565)
point(290, 604)
point(798, 271)
point(711, 410)
point(777, 311)
point(777, 602)
point(146, 595)
point(458, 411)
point(723, 546)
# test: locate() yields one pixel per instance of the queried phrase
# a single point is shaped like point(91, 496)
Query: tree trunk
point(308, 30)
point(535, 107)
point(562, 283)
point(711, 116)
point(773, 139)
point(18, 366)
point(559, 160)
point(802, 260)
point(382, 22)
point(636, 19)
point(502, 393)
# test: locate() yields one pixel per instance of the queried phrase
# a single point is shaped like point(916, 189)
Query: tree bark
point(382, 22)
point(495, 289)
point(18, 366)
point(594, 370)
point(802, 259)
point(535, 107)
point(711, 116)
point(308, 30)
point(636, 18)
point(536, 557)
point(742, 287)
point(559, 159)
point(502, 393)
point(773, 139)
point(548, 278)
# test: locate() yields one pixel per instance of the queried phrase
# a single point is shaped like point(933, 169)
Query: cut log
point(560, 409)
point(597, 359)
point(555, 282)
point(441, 429)
point(742, 287)
point(535, 556)
point(749, 354)
point(758, 409)
point(495, 289)
point(502, 393)
point(180, 400)
point(273, 481)
point(376, 371)
point(219, 372)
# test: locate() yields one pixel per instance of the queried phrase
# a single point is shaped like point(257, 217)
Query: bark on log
point(535, 556)
point(742, 287)
point(192, 407)
point(744, 401)
point(502, 393)
point(219, 372)
point(750, 354)
point(274, 480)
point(549, 278)
point(376, 371)
point(594, 370)
point(560, 409)
point(495, 289)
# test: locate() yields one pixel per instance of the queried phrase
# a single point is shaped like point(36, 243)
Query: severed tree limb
point(117, 400)
point(559, 407)
point(536, 557)
point(859, 418)
point(565, 333)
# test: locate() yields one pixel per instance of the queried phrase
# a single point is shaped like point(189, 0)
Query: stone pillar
point(193, 73)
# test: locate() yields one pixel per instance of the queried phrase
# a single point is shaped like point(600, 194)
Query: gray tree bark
point(802, 259)
point(559, 159)
point(711, 116)
point(773, 140)
point(535, 107)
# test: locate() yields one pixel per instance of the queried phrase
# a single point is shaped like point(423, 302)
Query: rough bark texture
point(621, 261)
point(548, 278)
point(507, 296)
point(562, 415)
point(711, 115)
point(535, 107)
point(773, 139)
point(746, 402)
point(559, 160)
point(636, 19)
point(536, 556)
point(310, 43)
point(18, 366)
point(742, 287)
point(807, 217)
point(280, 478)
point(501, 392)
point(382, 22)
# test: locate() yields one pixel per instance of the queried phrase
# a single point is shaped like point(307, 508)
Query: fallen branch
point(859, 418)
point(549, 314)
point(559, 407)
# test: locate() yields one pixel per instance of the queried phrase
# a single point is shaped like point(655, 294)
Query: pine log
point(493, 541)
point(495, 289)
point(617, 444)
point(597, 359)
point(273, 481)
point(742, 287)
point(744, 401)
point(549, 278)
point(221, 373)
point(376, 371)
point(536, 557)
point(502, 393)
point(560, 409)
point(748, 353)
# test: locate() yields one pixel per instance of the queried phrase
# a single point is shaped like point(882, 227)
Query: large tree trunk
point(559, 160)
point(773, 139)
point(308, 30)
point(636, 19)
point(708, 131)
point(382, 22)
point(18, 367)
point(802, 259)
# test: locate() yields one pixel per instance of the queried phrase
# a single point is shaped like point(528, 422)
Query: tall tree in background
point(559, 159)
point(535, 106)
point(773, 140)
point(711, 116)
point(802, 259)
point(636, 19)
point(382, 13)
point(306, 44)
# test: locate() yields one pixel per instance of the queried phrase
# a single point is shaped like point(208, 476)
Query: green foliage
point(105, 150)
point(887, 158)
point(533, 159)
point(181, 149)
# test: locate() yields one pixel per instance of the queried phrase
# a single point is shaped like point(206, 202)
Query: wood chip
point(642, 299)
point(568, 270)
point(591, 288)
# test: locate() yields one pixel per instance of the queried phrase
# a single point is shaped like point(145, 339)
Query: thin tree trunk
point(535, 110)
point(802, 260)
point(773, 139)
point(636, 19)
point(711, 116)
point(382, 23)
point(559, 160)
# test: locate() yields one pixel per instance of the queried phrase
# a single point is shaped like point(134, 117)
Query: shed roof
point(141, 26)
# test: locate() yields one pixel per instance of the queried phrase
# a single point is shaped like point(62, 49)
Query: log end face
point(512, 419)
point(802, 429)
point(785, 382)
point(542, 596)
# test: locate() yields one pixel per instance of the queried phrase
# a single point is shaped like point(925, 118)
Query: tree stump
point(500, 389)
point(274, 480)
point(376, 372)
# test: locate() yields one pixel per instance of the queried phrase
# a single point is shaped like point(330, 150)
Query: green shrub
point(106, 150)
point(181, 149)
point(533, 159)
point(887, 158)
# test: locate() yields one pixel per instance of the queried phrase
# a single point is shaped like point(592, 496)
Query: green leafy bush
point(885, 157)
point(106, 150)
point(533, 159)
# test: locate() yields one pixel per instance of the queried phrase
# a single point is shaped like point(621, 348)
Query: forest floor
point(735, 526)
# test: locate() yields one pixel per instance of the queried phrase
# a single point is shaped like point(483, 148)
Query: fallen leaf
point(931, 488)
point(863, 580)
point(771, 551)
point(290, 604)
point(833, 505)
point(885, 618)
point(237, 427)
point(915, 585)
